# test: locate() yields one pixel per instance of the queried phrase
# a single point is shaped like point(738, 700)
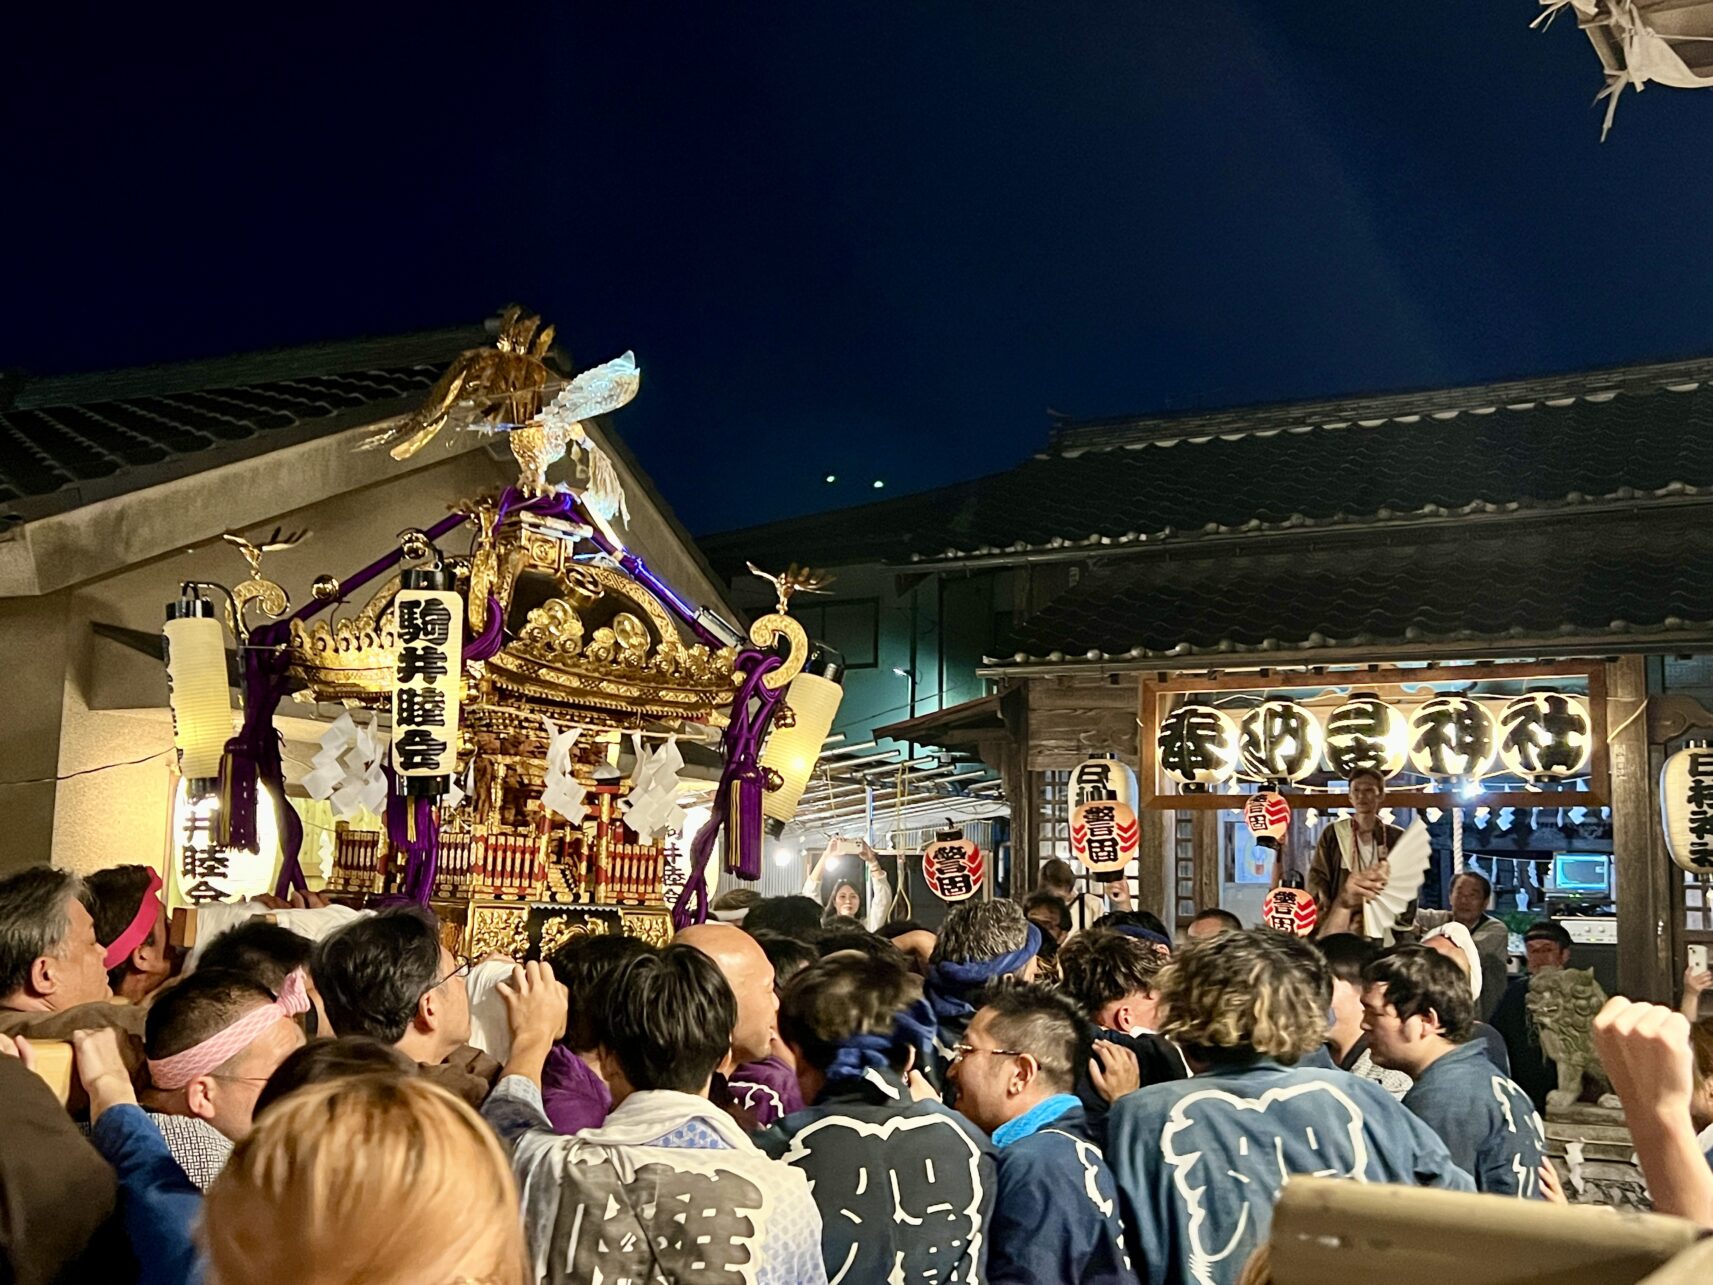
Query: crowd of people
point(792, 1092)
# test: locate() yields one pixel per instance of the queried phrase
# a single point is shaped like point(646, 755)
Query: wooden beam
point(1204, 841)
point(1647, 937)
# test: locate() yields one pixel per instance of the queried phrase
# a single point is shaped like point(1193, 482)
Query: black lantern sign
point(1365, 734)
point(1197, 745)
point(1545, 736)
point(1452, 737)
point(1280, 741)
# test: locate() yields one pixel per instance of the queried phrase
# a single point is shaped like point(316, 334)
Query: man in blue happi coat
point(1419, 1014)
point(1200, 1162)
point(1055, 1217)
point(905, 1187)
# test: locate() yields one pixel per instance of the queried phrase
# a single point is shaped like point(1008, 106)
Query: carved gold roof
point(583, 637)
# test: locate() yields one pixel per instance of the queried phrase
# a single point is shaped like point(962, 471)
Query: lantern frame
point(1397, 686)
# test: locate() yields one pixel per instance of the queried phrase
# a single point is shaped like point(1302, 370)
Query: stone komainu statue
point(1563, 1002)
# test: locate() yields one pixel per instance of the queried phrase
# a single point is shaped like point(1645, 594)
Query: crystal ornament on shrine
point(1280, 741)
point(1366, 734)
point(1197, 746)
point(1545, 736)
point(1453, 738)
point(1686, 807)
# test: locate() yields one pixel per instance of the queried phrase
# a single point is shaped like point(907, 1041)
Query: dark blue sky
point(873, 240)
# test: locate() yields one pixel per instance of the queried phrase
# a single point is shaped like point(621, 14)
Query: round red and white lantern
point(1268, 817)
point(1290, 910)
point(1105, 835)
point(953, 867)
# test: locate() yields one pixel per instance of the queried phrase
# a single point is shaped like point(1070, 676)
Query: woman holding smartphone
point(846, 901)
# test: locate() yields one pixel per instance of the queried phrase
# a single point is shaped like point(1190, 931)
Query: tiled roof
point(66, 442)
point(1611, 583)
point(1603, 438)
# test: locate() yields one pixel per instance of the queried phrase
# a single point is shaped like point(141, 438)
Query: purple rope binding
point(752, 712)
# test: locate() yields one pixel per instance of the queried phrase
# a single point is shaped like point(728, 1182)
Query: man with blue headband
point(979, 943)
point(905, 1187)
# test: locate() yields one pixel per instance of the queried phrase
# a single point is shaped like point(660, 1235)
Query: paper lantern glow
point(1366, 734)
point(1105, 835)
point(1280, 741)
point(1686, 807)
point(952, 867)
point(1453, 738)
point(1545, 736)
point(1197, 745)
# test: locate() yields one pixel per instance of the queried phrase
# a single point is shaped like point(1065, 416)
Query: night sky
point(875, 240)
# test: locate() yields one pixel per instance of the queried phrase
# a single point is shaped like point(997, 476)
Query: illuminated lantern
point(1545, 736)
point(426, 681)
point(792, 751)
point(953, 867)
point(1197, 745)
point(1102, 778)
point(199, 870)
point(1366, 734)
point(1452, 738)
point(1686, 807)
point(197, 689)
point(1280, 741)
point(1290, 910)
point(1105, 835)
point(1268, 817)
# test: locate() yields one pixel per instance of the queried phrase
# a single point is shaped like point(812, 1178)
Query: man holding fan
point(1350, 866)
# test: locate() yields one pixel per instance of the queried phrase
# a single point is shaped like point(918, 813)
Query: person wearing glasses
point(1200, 1162)
point(905, 1187)
point(204, 1091)
point(1055, 1212)
point(387, 976)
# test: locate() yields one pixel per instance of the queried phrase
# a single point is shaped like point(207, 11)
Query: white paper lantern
point(1453, 738)
point(1097, 779)
point(1366, 734)
point(1686, 807)
point(427, 681)
point(197, 688)
point(1197, 745)
point(1545, 736)
point(199, 871)
point(793, 750)
point(1280, 741)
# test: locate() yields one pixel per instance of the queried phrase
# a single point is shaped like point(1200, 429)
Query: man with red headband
point(131, 925)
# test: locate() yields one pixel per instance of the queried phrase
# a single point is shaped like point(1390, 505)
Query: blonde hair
point(381, 1179)
point(1246, 993)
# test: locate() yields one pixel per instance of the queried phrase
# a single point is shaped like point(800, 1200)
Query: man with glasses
point(1055, 1213)
point(212, 1041)
point(389, 977)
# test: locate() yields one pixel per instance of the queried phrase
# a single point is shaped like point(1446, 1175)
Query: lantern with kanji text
point(1545, 736)
point(1290, 910)
point(1268, 817)
point(429, 667)
point(1197, 745)
point(953, 867)
point(1452, 738)
point(1105, 835)
point(1686, 806)
point(1280, 741)
point(1365, 734)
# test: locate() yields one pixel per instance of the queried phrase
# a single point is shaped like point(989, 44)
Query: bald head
point(745, 966)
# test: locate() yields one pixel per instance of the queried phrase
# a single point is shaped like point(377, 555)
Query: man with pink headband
point(213, 1040)
point(131, 925)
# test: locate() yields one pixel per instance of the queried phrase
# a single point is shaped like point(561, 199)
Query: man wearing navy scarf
point(1055, 1217)
point(905, 1187)
point(980, 942)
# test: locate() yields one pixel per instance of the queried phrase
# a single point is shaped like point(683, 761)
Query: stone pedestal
point(1596, 1161)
